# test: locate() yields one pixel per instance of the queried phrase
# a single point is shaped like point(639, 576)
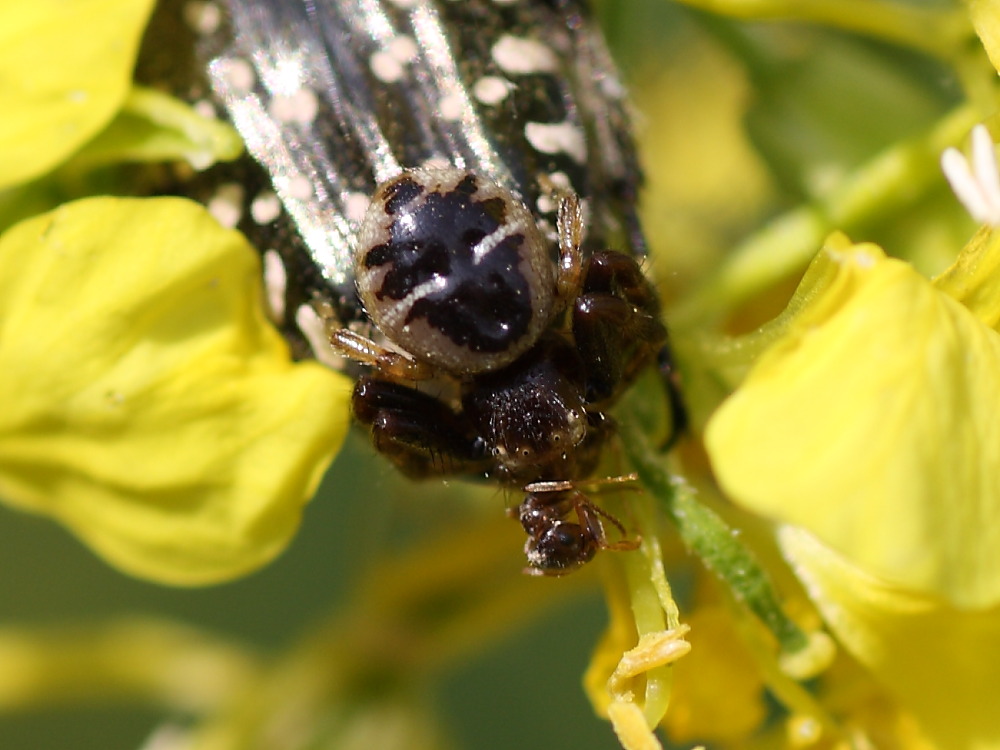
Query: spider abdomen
point(453, 269)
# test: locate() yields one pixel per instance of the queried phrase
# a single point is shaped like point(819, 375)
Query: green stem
point(708, 536)
point(125, 660)
point(893, 179)
point(797, 699)
point(653, 607)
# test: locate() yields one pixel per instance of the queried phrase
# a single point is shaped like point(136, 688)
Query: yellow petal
point(718, 692)
point(986, 19)
point(939, 662)
point(65, 68)
point(148, 404)
point(974, 277)
point(873, 424)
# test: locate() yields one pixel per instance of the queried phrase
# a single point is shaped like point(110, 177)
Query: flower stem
point(130, 659)
point(708, 536)
point(895, 177)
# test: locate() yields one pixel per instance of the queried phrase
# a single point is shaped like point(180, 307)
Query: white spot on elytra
point(389, 64)
point(202, 17)
point(450, 106)
point(551, 138)
point(205, 108)
point(314, 330)
point(404, 4)
point(300, 107)
point(227, 204)
point(288, 75)
point(238, 74)
point(545, 204)
point(518, 56)
point(299, 187)
point(265, 208)
point(275, 284)
point(386, 67)
point(356, 206)
point(491, 90)
point(200, 160)
point(560, 180)
point(403, 48)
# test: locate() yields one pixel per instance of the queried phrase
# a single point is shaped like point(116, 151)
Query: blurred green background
point(523, 692)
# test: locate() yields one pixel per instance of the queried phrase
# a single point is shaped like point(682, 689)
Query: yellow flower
point(868, 431)
point(872, 423)
point(150, 406)
point(986, 20)
point(631, 670)
point(66, 69)
point(718, 692)
point(938, 661)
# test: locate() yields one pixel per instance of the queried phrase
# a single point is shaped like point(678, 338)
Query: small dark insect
point(435, 188)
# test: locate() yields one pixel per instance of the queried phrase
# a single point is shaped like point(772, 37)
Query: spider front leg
point(570, 228)
point(420, 434)
point(366, 352)
point(617, 329)
point(615, 317)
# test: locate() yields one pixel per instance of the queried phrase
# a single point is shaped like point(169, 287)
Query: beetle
point(437, 186)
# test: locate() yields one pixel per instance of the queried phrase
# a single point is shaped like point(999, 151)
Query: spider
point(498, 360)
